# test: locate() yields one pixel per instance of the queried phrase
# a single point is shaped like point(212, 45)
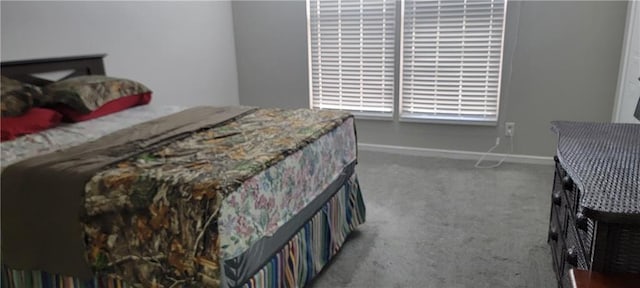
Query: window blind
point(351, 49)
point(451, 59)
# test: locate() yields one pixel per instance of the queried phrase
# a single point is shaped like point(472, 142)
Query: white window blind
point(352, 55)
point(451, 62)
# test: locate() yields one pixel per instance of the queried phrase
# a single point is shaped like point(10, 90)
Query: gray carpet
point(435, 222)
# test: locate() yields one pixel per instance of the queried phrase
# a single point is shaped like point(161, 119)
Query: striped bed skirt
point(295, 265)
point(304, 256)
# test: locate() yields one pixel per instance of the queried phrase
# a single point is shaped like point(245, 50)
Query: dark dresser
point(595, 201)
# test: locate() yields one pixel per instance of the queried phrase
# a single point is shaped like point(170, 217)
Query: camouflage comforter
point(152, 219)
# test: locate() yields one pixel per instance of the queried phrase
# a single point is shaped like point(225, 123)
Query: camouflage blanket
point(46, 193)
point(152, 219)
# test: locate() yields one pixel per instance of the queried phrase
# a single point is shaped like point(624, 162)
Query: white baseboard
point(454, 154)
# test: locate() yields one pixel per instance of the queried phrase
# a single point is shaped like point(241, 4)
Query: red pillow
point(34, 120)
point(106, 109)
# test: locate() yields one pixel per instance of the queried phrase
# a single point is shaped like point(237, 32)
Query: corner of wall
point(234, 8)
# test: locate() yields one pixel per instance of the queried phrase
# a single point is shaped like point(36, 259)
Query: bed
point(262, 199)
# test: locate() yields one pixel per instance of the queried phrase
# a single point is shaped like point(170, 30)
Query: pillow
point(34, 120)
point(106, 109)
point(17, 97)
point(85, 94)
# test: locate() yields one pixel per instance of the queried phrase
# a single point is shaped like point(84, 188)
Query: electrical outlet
point(510, 128)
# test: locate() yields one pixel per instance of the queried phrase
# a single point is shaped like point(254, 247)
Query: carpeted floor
point(435, 222)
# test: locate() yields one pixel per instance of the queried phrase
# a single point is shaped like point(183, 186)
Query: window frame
point(359, 114)
point(397, 113)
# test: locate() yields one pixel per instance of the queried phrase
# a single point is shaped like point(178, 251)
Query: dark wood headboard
point(22, 70)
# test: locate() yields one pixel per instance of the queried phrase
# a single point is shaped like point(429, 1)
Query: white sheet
point(71, 134)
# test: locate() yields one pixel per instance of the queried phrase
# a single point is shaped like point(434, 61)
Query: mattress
point(142, 226)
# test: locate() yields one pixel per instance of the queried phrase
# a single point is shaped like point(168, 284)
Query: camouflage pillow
point(87, 93)
point(17, 97)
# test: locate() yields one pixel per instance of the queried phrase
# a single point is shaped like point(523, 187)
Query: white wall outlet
point(509, 129)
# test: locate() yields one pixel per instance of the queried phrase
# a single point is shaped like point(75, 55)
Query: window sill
point(372, 116)
point(449, 121)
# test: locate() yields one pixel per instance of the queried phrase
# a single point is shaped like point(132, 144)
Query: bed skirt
point(294, 265)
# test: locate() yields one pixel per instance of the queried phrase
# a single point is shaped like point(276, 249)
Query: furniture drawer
point(563, 182)
point(560, 215)
point(557, 253)
point(574, 254)
point(558, 220)
point(555, 240)
point(571, 257)
point(585, 231)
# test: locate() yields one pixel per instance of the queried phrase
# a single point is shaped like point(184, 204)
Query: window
point(352, 55)
point(452, 53)
point(449, 60)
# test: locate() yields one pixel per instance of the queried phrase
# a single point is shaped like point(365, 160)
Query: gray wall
point(271, 51)
point(561, 63)
point(184, 51)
